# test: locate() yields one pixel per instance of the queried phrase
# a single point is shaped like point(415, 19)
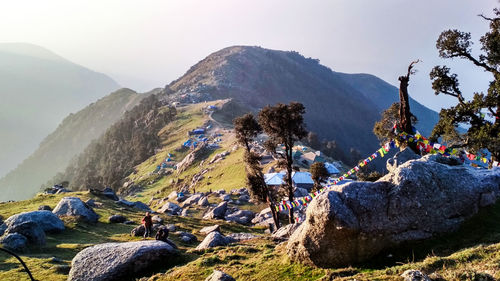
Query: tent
point(331, 168)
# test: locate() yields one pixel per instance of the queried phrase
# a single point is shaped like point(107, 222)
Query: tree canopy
point(480, 114)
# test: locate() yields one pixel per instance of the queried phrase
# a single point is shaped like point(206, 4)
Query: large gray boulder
point(400, 158)
point(14, 241)
point(31, 230)
point(218, 275)
point(208, 229)
point(420, 199)
point(75, 207)
point(218, 212)
point(241, 217)
point(284, 232)
point(119, 261)
point(170, 209)
point(193, 199)
point(214, 239)
point(45, 219)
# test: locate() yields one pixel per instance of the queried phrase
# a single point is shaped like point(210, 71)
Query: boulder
point(204, 202)
point(75, 207)
point(44, 208)
point(157, 219)
point(401, 157)
point(14, 241)
point(184, 213)
point(214, 239)
point(48, 221)
point(262, 216)
point(137, 204)
point(139, 230)
point(242, 236)
point(171, 227)
point(241, 216)
point(119, 261)
point(208, 229)
point(225, 197)
point(170, 209)
point(186, 237)
point(172, 195)
point(193, 199)
point(244, 198)
point(415, 275)
point(219, 276)
point(420, 199)
point(110, 194)
point(117, 219)
point(218, 212)
point(31, 230)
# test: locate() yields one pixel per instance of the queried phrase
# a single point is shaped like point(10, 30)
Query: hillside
point(38, 89)
point(341, 107)
point(69, 139)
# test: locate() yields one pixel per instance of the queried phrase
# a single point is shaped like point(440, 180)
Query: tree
point(246, 129)
point(284, 124)
point(383, 129)
point(313, 141)
point(480, 114)
point(319, 174)
point(405, 115)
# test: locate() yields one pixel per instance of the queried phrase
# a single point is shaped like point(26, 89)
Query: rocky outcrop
point(400, 158)
point(119, 261)
point(75, 207)
point(418, 200)
point(31, 230)
point(219, 276)
point(217, 213)
point(415, 275)
point(48, 221)
point(214, 239)
point(203, 202)
point(193, 199)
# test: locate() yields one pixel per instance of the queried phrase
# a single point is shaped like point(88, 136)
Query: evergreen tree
point(319, 174)
point(284, 125)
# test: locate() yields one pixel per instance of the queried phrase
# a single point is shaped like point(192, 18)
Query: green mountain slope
point(37, 90)
point(69, 139)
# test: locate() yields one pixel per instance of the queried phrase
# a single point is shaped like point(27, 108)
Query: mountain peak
point(31, 50)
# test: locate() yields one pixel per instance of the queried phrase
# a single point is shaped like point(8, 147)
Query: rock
point(284, 232)
point(191, 157)
point(186, 237)
point(14, 241)
point(214, 239)
point(119, 261)
point(193, 199)
point(93, 204)
point(300, 192)
point(170, 209)
point(117, 219)
point(141, 206)
point(172, 195)
point(184, 213)
point(44, 208)
point(219, 276)
point(225, 197)
point(204, 202)
point(400, 158)
point(157, 219)
point(137, 231)
point(75, 207)
point(262, 216)
point(110, 194)
point(171, 227)
point(31, 230)
point(241, 216)
point(242, 236)
point(244, 198)
point(217, 213)
point(420, 199)
point(208, 229)
point(48, 221)
point(128, 222)
point(414, 275)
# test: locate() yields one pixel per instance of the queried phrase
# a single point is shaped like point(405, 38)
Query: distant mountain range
point(70, 138)
point(37, 90)
point(339, 106)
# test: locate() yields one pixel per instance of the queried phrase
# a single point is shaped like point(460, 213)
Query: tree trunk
point(289, 182)
point(404, 106)
point(275, 216)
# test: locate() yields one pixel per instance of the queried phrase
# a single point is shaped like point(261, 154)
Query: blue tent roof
point(331, 168)
point(302, 177)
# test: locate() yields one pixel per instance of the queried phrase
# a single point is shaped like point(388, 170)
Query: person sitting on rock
point(162, 234)
point(148, 224)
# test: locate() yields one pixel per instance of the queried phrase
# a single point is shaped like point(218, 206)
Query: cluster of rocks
point(219, 157)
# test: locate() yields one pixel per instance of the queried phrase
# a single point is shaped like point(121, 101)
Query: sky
point(147, 44)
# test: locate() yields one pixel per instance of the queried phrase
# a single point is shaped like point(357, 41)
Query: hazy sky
point(147, 44)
